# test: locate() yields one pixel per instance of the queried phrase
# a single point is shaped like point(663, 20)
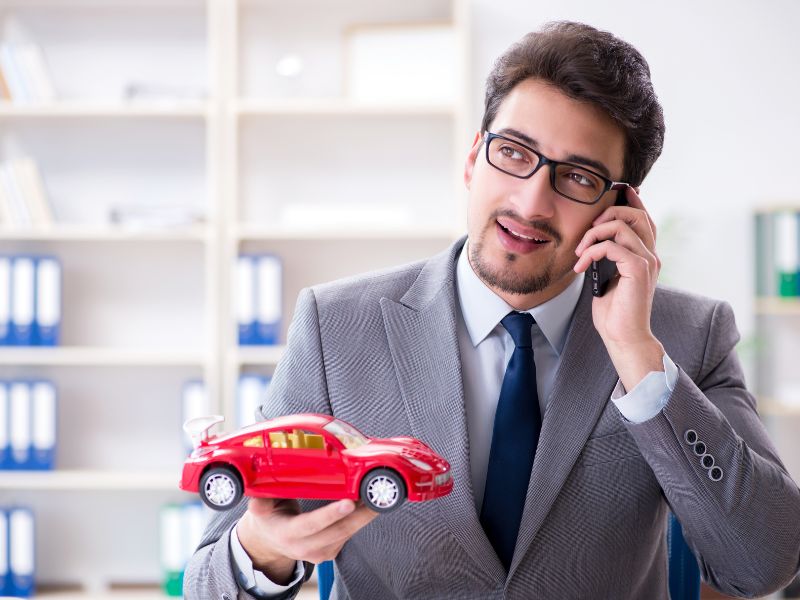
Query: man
point(572, 423)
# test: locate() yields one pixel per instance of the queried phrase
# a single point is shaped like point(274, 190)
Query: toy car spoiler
point(198, 427)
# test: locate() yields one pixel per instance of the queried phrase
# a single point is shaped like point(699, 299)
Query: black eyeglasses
point(571, 181)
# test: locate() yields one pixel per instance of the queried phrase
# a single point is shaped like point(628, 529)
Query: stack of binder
point(777, 237)
point(258, 286)
point(17, 552)
point(30, 300)
point(182, 527)
point(28, 425)
point(251, 392)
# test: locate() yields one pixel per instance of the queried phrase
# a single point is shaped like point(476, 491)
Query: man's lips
point(521, 232)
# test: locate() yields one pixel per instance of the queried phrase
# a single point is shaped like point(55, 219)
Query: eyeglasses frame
point(543, 160)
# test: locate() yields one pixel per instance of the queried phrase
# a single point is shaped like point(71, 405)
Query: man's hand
point(275, 534)
point(627, 236)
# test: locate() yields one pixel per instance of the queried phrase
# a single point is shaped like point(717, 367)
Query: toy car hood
point(405, 447)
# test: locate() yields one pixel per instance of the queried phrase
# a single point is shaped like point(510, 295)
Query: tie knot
point(519, 324)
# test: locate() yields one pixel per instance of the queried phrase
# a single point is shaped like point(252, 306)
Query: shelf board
point(257, 355)
point(65, 109)
point(143, 593)
point(98, 356)
point(309, 591)
point(774, 408)
point(778, 306)
point(86, 233)
point(89, 480)
point(338, 107)
point(267, 233)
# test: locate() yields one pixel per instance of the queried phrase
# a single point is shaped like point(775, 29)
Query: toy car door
point(306, 464)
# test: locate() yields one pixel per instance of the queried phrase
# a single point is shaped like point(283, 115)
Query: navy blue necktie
point(516, 433)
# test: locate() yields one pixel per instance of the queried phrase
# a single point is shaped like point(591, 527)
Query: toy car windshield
point(346, 433)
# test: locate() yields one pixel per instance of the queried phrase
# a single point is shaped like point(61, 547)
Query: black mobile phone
point(604, 270)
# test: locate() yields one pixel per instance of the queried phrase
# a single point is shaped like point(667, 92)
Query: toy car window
point(254, 442)
point(278, 439)
point(345, 433)
point(296, 439)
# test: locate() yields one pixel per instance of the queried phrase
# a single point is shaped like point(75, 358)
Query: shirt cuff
point(650, 395)
point(254, 581)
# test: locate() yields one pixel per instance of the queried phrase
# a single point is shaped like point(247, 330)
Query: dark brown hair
point(594, 66)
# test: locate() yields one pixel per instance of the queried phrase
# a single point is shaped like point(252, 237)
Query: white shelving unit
point(147, 309)
point(776, 338)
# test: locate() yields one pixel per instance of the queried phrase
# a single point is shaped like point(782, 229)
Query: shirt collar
point(483, 310)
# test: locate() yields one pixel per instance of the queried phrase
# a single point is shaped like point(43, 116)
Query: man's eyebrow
point(572, 158)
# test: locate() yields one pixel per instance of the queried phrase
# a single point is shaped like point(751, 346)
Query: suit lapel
point(582, 387)
point(421, 331)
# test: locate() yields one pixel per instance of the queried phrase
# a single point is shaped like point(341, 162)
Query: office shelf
point(83, 233)
point(774, 408)
point(144, 311)
point(85, 110)
point(338, 107)
point(100, 357)
point(88, 480)
point(267, 233)
point(778, 306)
point(256, 355)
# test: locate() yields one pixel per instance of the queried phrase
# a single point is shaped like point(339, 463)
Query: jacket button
point(690, 436)
point(707, 460)
point(225, 596)
point(715, 474)
point(700, 448)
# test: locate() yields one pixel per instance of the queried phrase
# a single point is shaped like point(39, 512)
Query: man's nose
point(535, 197)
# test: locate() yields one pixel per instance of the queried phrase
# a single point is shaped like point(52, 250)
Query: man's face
point(501, 206)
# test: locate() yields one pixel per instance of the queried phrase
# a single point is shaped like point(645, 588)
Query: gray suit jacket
point(380, 351)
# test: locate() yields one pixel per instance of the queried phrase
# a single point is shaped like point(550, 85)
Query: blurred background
point(173, 172)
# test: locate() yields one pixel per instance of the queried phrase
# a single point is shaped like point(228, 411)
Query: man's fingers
point(309, 523)
point(620, 233)
point(324, 544)
point(341, 531)
point(635, 215)
point(262, 507)
point(632, 195)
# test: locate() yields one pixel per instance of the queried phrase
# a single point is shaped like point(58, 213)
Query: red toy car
point(310, 456)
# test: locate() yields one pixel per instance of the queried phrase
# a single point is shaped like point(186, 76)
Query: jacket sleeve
point(297, 386)
point(744, 528)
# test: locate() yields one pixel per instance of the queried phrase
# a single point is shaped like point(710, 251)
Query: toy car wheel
point(383, 490)
point(220, 488)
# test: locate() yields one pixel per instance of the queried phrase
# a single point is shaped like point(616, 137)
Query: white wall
point(726, 74)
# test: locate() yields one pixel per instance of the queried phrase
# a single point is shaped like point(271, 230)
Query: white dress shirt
point(486, 349)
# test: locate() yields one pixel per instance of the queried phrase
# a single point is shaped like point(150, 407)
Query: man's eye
point(512, 153)
point(581, 179)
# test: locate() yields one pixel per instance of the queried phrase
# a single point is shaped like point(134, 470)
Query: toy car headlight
point(443, 478)
point(419, 464)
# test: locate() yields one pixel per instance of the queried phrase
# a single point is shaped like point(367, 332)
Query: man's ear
point(469, 165)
